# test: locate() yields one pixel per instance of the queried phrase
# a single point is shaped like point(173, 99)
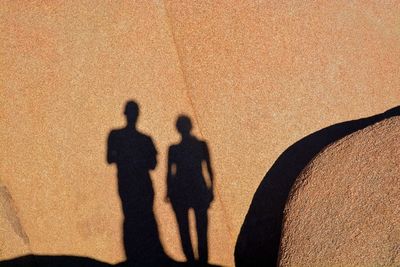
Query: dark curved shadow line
point(259, 237)
point(52, 261)
point(31, 260)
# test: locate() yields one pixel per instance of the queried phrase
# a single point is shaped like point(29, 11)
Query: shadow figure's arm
point(111, 149)
point(152, 160)
point(209, 167)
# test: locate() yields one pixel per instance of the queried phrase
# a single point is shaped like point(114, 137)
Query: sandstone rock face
point(254, 76)
point(344, 209)
point(14, 241)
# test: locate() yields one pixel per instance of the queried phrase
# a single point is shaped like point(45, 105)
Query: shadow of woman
point(187, 187)
point(134, 154)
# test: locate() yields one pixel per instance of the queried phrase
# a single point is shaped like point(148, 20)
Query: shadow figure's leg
point(132, 242)
point(182, 217)
point(202, 232)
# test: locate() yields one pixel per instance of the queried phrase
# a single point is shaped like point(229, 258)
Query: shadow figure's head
point(184, 125)
point(131, 112)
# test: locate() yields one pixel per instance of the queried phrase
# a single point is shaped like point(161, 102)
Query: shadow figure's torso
point(135, 155)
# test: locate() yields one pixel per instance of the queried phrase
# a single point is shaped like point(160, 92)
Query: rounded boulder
point(344, 208)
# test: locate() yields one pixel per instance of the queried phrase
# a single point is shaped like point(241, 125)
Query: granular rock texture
point(13, 239)
point(344, 209)
point(254, 76)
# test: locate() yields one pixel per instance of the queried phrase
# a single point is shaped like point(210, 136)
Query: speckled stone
point(255, 76)
point(344, 209)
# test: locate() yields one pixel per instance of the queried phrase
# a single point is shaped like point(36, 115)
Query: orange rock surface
point(254, 76)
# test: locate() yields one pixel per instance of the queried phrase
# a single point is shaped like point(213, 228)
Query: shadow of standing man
point(134, 154)
point(188, 189)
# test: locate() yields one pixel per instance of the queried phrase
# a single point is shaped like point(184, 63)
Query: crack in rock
point(8, 208)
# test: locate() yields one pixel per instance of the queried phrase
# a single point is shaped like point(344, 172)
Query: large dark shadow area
point(76, 261)
point(259, 238)
point(52, 261)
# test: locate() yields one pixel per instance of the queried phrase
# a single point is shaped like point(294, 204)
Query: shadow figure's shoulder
point(145, 137)
point(203, 143)
point(117, 132)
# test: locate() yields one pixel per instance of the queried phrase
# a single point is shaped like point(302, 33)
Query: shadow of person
point(187, 187)
point(134, 154)
point(259, 237)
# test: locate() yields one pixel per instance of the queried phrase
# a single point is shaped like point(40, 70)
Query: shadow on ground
point(259, 238)
point(135, 155)
point(74, 261)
